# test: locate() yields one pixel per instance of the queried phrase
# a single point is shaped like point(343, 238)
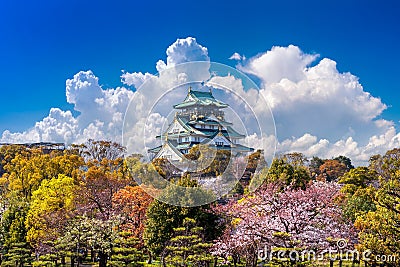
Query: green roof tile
point(194, 98)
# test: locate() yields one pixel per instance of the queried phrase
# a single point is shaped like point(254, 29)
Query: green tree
point(314, 165)
point(103, 238)
point(76, 239)
point(18, 255)
point(294, 175)
point(162, 218)
point(187, 247)
point(379, 229)
point(359, 203)
point(147, 174)
point(186, 193)
point(47, 260)
point(126, 251)
point(359, 192)
point(346, 161)
point(82, 234)
point(360, 177)
point(17, 251)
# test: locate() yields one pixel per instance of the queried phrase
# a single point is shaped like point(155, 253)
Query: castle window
point(205, 117)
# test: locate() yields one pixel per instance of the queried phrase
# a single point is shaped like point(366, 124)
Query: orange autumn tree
point(131, 203)
point(332, 170)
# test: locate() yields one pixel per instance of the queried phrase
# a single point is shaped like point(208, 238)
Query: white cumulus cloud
point(237, 56)
point(317, 109)
point(100, 116)
point(279, 63)
point(101, 111)
point(135, 79)
point(182, 51)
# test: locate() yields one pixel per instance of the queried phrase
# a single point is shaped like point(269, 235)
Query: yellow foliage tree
point(50, 206)
point(379, 229)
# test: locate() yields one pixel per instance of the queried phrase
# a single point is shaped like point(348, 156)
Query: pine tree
point(48, 260)
point(162, 218)
point(126, 251)
point(187, 246)
point(75, 241)
point(17, 251)
point(18, 255)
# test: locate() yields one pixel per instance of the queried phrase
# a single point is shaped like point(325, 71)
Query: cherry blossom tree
point(289, 220)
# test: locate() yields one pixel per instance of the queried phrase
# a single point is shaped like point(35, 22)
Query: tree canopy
point(89, 204)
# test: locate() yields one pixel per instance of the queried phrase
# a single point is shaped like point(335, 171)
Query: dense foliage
point(83, 204)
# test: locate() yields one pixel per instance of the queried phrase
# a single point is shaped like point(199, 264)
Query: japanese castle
point(200, 119)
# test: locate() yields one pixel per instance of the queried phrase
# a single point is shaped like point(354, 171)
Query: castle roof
point(200, 123)
point(208, 121)
point(200, 98)
point(228, 131)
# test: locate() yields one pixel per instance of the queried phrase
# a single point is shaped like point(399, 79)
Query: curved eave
point(236, 148)
point(231, 132)
point(242, 148)
point(232, 135)
point(199, 103)
point(183, 146)
point(154, 149)
point(223, 123)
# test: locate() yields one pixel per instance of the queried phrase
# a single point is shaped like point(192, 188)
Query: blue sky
point(44, 43)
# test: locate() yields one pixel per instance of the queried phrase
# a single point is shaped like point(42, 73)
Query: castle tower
point(199, 119)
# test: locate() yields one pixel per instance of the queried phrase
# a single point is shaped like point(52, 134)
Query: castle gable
point(219, 140)
point(169, 152)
